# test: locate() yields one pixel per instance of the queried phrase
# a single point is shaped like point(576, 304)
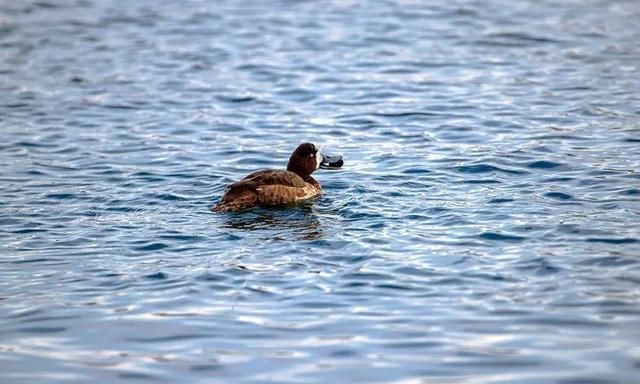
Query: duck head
point(307, 158)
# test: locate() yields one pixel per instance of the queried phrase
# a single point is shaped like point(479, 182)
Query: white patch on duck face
point(319, 157)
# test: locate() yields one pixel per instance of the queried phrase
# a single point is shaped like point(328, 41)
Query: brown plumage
point(275, 187)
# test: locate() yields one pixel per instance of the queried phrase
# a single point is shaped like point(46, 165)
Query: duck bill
point(331, 162)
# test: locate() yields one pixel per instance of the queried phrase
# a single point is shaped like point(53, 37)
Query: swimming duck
point(271, 187)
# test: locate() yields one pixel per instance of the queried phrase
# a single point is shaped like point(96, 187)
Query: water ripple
point(483, 228)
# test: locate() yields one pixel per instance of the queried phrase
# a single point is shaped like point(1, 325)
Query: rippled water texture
point(485, 227)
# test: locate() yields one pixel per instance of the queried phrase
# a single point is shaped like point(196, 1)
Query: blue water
point(484, 229)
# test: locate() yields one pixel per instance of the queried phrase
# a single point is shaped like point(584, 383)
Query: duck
point(272, 188)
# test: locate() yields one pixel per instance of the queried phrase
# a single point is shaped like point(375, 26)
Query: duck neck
point(300, 172)
point(312, 181)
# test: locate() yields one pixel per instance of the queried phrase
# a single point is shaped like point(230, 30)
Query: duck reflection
point(279, 224)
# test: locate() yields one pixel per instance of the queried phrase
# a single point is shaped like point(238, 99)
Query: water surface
point(484, 228)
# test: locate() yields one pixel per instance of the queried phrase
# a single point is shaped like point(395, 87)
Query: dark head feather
point(303, 160)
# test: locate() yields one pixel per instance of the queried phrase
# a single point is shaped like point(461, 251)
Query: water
point(484, 228)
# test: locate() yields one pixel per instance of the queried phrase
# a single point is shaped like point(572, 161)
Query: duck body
point(268, 188)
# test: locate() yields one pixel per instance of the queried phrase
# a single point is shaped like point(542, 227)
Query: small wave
point(495, 236)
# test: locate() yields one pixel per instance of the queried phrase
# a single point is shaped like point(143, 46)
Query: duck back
point(267, 188)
